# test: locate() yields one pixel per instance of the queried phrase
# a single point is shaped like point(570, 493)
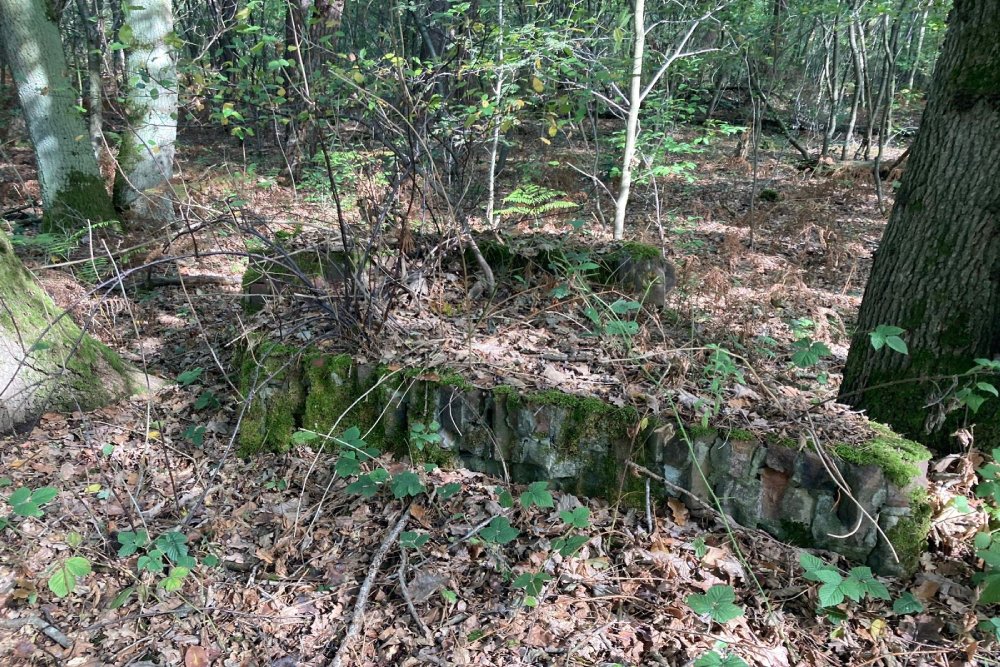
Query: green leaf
point(569, 545)
point(151, 562)
point(499, 531)
point(618, 328)
point(365, 486)
point(907, 604)
point(537, 494)
point(991, 626)
point(25, 502)
point(717, 603)
point(576, 518)
point(506, 500)
point(411, 539)
point(898, 344)
point(807, 353)
point(303, 437)
point(987, 387)
point(852, 588)
point(869, 584)
point(189, 377)
point(175, 579)
point(122, 597)
point(811, 564)
point(532, 583)
point(830, 595)
point(621, 306)
point(131, 542)
point(713, 659)
point(990, 593)
point(206, 399)
point(450, 596)
point(406, 484)
point(173, 544)
point(448, 490)
point(347, 465)
point(63, 578)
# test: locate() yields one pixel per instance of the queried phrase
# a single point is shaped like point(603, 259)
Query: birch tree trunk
point(632, 124)
point(146, 155)
point(72, 190)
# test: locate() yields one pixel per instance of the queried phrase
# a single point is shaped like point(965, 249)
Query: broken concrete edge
point(638, 269)
point(582, 445)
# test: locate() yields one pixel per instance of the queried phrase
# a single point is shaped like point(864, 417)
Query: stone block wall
point(582, 445)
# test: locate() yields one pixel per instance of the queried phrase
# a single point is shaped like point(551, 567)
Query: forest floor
point(282, 550)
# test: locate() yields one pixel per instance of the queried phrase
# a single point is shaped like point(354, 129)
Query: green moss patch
point(895, 455)
point(909, 536)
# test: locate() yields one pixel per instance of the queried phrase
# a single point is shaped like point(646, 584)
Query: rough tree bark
point(45, 365)
point(937, 271)
point(72, 189)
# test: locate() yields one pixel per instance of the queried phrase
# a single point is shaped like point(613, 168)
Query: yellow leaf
point(358, 78)
point(93, 488)
point(545, 141)
point(878, 625)
point(153, 435)
point(537, 85)
point(553, 130)
point(281, 92)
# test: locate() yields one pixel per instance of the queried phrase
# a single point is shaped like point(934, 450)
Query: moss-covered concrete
point(897, 456)
point(275, 411)
point(909, 536)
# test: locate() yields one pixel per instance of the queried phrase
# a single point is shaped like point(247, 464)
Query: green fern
point(534, 200)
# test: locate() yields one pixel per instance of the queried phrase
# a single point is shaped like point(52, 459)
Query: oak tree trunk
point(937, 271)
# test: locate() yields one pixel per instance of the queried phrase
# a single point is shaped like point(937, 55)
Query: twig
point(357, 619)
point(49, 630)
point(673, 487)
point(403, 564)
point(475, 529)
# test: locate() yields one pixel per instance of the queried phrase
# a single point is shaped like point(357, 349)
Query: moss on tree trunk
point(46, 361)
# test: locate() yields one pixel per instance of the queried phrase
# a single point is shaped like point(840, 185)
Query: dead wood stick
point(403, 564)
point(357, 620)
point(49, 630)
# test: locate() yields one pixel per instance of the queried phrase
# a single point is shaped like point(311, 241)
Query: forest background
point(666, 216)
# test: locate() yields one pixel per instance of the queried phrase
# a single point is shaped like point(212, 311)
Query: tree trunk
point(632, 124)
point(146, 155)
point(46, 366)
point(72, 189)
point(937, 271)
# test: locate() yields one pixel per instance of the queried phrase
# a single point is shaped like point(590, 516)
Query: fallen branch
point(403, 564)
point(361, 605)
point(46, 628)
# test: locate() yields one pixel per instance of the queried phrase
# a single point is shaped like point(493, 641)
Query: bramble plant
point(720, 658)
point(718, 603)
point(888, 336)
point(422, 435)
point(857, 585)
point(987, 542)
point(720, 370)
point(25, 502)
